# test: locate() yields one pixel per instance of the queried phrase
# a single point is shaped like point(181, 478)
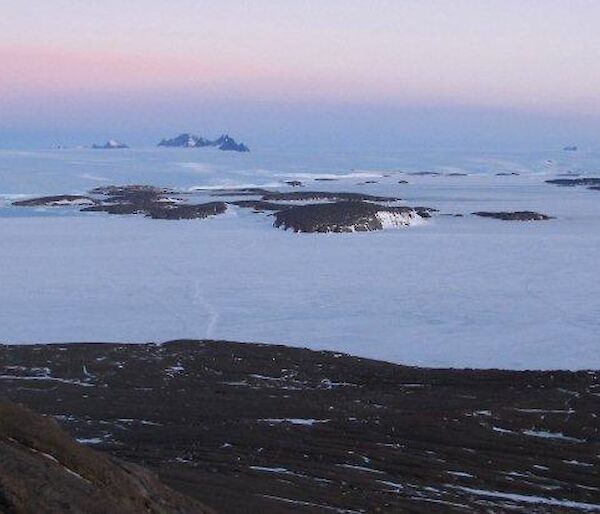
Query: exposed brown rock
point(43, 470)
point(251, 428)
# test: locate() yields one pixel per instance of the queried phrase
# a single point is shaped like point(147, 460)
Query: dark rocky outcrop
point(254, 429)
point(589, 182)
point(424, 173)
point(514, 216)
point(55, 201)
point(312, 196)
point(224, 142)
point(260, 205)
point(186, 211)
point(228, 144)
point(140, 195)
point(244, 191)
point(129, 190)
point(151, 201)
point(294, 183)
point(186, 141)
point(110, 145)
point(116, 208)
point(424, 212)
point(154, 202)
point(507, 174)
point(43, 470)
point(345, 216)
point(570, 148)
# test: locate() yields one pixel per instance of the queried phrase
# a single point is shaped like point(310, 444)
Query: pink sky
point(531, 53)
point(324, 69)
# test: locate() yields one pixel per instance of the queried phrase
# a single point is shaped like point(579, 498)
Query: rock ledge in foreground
point(43, 470)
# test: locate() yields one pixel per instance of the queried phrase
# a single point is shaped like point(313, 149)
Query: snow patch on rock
point(391, 219)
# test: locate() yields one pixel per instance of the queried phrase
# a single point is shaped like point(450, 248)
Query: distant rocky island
point(225, 143)
point(111, 144)
point(570, 148)
point(592, 183)
point(514, 216)
point(298, 211)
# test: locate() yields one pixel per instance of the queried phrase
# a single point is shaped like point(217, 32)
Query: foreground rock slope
point(43, 470)
point(248, 428)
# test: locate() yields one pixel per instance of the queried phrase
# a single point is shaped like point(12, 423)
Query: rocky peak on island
point(570, 148)
point(186, 140)
point(111, 144)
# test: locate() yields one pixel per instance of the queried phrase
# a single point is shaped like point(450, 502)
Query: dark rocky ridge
point(260, 205)
point(110, 145)
point(346, 216)
point(312, 196)
point(302, 196)
point(255, 428)
point(340, 212)
point(187, 211)
point(57, 200)
point(225, 143)
point(154, 202)
point(589, 182)
point(514, 216)
point(244, 191)
point(43, 470)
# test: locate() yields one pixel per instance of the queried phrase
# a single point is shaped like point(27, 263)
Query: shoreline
point(292, 346)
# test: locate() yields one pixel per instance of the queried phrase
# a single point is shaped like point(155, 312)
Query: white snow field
point(451, 292)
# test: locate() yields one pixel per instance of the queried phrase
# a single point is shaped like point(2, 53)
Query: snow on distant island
point(111, 144)
point(225, 143)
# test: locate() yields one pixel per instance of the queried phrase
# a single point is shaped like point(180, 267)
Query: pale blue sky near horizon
point(412, 73)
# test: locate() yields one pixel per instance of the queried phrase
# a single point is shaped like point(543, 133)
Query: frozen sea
point(453, 292)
